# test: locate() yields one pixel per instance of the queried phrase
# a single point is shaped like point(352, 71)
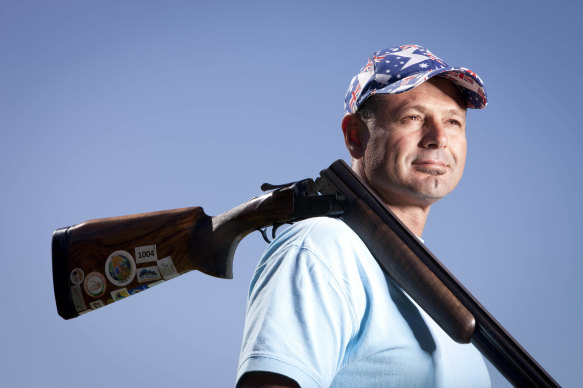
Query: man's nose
point(434, 135)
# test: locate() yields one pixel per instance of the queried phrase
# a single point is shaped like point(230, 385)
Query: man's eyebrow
point(460, 111)
point(420, 107)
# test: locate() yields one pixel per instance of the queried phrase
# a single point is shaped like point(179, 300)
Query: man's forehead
point(427, 94)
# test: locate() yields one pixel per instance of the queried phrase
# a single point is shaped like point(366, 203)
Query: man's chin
point(432, 188)
point(422, 195)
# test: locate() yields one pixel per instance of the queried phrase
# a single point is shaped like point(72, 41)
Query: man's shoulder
point(329, 242)
point(318, 233)
point(323, 225)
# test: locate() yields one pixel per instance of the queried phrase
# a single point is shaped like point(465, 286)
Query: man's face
point(416, 150)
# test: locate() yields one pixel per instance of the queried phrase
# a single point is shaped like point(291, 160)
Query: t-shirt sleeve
point(299, 321)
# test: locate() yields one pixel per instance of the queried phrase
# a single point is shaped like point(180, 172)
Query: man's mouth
point(430, 162)
point(430, 166)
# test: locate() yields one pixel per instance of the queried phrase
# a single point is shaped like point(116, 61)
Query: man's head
point(405, 124)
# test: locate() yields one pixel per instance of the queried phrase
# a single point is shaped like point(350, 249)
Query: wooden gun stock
point(82, 252)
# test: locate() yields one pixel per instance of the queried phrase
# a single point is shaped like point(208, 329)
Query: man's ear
point(355, 135)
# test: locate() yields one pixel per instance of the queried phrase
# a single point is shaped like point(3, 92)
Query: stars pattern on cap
point(398, 69)
point(409, 53)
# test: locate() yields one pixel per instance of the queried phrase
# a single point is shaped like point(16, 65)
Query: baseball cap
point(398, 69)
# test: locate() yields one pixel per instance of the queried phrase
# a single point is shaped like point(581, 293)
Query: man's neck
point(413, 217)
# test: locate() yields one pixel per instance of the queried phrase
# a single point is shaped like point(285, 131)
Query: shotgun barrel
point(415, 269)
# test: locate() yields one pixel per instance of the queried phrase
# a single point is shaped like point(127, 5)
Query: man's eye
point(455, 122)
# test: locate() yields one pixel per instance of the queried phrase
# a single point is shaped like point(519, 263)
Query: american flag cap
point(398, 69)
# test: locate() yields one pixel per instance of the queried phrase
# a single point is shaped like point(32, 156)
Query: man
point(320, 311)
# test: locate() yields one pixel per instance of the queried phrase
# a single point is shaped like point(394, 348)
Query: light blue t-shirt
point(322, 312)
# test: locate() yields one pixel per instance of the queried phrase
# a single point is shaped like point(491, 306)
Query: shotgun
point(101, 261)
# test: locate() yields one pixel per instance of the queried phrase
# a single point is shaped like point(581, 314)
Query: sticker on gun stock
point(120, 268)
point(167, 268)
point(95, 284)
point(146, 254)
point(97, 304)
point(119, 294)
point(77, 276)
point(77, 297)
point(141, 288)
point(148, 274)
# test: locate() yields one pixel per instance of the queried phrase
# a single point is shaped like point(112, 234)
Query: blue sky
point(110, 108)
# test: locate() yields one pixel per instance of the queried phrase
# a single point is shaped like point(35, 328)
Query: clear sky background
point(118, 107)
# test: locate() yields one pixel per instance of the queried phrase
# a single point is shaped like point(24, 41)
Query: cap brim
point(468, 82)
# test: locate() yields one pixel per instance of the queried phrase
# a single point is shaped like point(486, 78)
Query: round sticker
point(120, 268)
point(95, 284)
point(77, 276)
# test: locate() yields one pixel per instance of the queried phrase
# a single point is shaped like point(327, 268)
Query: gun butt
point(102, 261)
